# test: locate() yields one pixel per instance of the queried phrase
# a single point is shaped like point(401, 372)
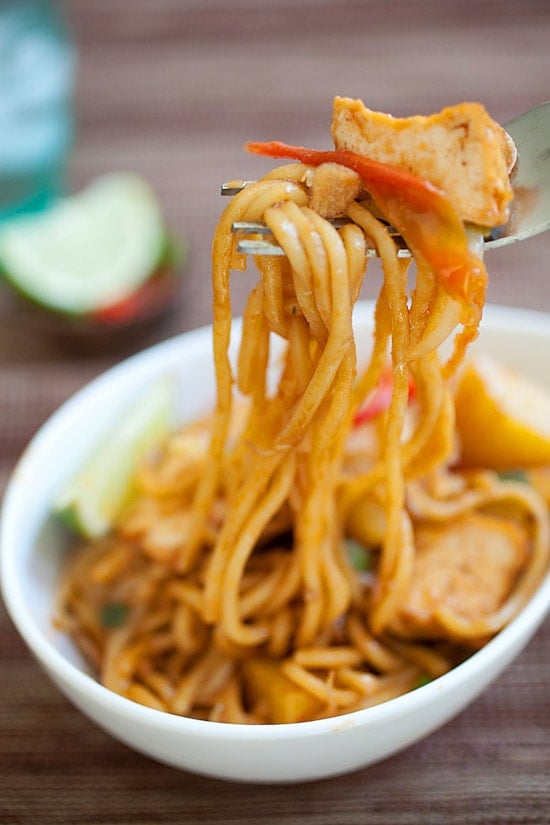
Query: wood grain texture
point(171, 89)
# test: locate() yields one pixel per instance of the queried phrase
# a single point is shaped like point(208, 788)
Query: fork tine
point(257, 228)
point(250, 227)
point(260, 247)
point(264, 247)
point(233, 187)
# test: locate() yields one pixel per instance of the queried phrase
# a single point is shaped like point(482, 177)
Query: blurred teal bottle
point(36, 124)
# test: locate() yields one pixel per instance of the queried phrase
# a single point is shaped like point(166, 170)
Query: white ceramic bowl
point(33, 547)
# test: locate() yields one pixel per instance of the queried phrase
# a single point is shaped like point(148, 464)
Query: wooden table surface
point(171, 89)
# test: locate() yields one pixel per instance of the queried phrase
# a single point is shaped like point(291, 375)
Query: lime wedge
point(92, 500)
point(89, 250)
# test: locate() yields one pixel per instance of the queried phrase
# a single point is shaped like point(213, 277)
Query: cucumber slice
point(87, 251)
point(92, 500)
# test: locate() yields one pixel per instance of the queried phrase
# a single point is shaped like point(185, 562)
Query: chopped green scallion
point(358, 556)
point(513, 475)
point(423, 680)
point(113, 615)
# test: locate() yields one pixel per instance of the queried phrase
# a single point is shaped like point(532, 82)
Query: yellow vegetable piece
point(503, 418)
point(366, 523)
point(265, 684)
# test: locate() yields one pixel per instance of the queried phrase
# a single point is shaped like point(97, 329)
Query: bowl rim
point(523, 625)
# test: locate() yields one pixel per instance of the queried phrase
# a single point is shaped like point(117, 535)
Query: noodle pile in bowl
point(265, 571)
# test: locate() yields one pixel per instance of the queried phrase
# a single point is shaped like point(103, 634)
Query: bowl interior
point(32, 558)
point(34, 545)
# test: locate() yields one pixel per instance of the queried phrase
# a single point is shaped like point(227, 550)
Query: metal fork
point(530, 212)
point(265, 247)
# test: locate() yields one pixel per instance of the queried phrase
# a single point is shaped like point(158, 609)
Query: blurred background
point(170, 90)
point(173, 88)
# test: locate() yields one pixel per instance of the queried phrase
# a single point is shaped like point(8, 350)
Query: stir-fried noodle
point(228, 590)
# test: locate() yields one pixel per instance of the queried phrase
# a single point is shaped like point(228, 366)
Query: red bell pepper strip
point(380, 398)
point(420, 211)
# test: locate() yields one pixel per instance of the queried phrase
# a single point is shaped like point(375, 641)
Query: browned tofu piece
point(333, 188)
point(469, 566)
point(461, 150)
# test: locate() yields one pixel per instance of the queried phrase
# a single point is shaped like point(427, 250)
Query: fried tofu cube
point(460, 149)
point(333, 188)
